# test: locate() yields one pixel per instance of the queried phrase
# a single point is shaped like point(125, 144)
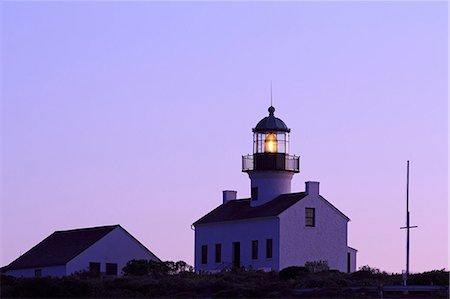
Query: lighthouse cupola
point(270, 167)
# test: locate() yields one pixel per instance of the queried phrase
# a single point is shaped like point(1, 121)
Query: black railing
point(271, 161)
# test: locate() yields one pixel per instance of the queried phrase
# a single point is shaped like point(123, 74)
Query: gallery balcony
point(271, 161)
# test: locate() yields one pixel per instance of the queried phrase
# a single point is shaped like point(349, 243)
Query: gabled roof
point(241, 209)
point(336, 209)
point(60, 247)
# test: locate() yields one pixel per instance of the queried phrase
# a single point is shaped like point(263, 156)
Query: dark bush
point(436, 277)
point(317, 266)
point(293, 272)
point(136, 268)
point(369, 276)
point(46, 287)
point(154, 268)
point(168, 280)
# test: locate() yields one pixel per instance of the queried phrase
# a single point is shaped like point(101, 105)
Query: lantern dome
point(271, 123)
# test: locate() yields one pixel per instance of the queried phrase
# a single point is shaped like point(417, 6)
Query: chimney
point(229, 195)
point(312, 188)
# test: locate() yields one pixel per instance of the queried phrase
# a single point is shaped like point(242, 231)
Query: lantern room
point(271, 135)
point(270, 146)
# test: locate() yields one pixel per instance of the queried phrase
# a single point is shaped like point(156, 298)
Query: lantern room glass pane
point(271, 142)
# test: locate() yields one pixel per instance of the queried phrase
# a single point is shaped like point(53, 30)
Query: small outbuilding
point(99, 250)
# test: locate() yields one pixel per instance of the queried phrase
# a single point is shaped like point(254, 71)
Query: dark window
point(94, 268)
point(255, 193)
point(237, 254)
point(111, 269)
point(218, 253)
point(269, 248)
point(255, 249)
point(310, 217)
point(204, 254)
point(38, 273)
point(348, 262)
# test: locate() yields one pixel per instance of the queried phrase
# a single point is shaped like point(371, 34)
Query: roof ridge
point(329, 203)
point(241, 209)
point(293, 194)
point(240, 199)
point(279, 196)
point(86, 228)
point(67, 244)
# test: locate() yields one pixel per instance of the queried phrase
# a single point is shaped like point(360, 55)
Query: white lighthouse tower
point(275, 228)
point(270, 168)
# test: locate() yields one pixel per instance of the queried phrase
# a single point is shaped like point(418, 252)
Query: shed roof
point(60, 247)
point(241, 209)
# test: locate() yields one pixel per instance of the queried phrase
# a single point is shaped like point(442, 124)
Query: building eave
point(336, 209)
point(236, 220)
point(140, 244)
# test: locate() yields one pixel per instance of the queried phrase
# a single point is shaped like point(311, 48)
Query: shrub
point(292, 272)
point(178, 267)
point(436, 277)
point(317, 266)
point(369, 269)
point(154, 268)
point(169, 280)
point(136, 268)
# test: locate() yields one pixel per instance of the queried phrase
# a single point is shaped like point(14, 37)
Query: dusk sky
point(138, 114)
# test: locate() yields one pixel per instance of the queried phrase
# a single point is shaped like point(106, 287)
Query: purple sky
point(138, 114)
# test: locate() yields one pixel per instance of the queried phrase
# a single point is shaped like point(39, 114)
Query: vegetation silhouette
point(177, 280)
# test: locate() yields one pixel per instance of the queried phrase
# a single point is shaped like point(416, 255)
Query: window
point(269, 248)
point(254, 193)
point(237, 254)
point(255, 249)
point(218, 253)
point(38, 273)
point(94, 268)
point(204, 254)
point(111, 269)
point(310, 217)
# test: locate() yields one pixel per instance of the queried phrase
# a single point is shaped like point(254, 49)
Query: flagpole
point(408, 226)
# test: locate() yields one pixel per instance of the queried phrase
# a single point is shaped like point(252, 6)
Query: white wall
point(46, 271)
point(270, 184)
point(326, 241)
point(352, 252)
point(116, 247)
point(244, 232)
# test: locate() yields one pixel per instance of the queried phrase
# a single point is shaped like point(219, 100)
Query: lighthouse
point(270, 167)
point(275, 228)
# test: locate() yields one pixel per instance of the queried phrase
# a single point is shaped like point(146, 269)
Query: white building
point(104, 250)
point(275, 228)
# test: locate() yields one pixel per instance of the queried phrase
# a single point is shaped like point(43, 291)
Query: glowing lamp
point(271, 143)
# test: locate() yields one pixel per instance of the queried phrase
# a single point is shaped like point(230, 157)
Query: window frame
point(109, 267)
point(254, 249)
point(204, 254)
point(95, 268)
point(218, 253)
point(269, 248)
point(310, 221)
point(236, 254)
